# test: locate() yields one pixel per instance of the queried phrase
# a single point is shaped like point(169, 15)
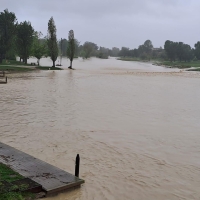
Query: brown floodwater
point(136, 127)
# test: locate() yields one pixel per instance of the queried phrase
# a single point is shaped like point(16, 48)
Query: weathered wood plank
point(51, 178)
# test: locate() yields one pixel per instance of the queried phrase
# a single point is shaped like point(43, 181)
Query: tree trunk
point(25, 61)
point(53, 64)
point(70, 67)
point(38, 61)
point(1, 58)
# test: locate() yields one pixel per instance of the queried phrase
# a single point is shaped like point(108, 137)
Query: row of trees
point(172, 51)
point(181, 51)
point(145, 51)
point(22, 40)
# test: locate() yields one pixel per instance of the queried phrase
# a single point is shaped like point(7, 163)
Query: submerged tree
point(71, 47)
point(52, 41)
point(25, 34)
point(197, 50)
point(39, 47)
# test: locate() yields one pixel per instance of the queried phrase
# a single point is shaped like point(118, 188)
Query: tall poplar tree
point(71, 47)
point(52, 41)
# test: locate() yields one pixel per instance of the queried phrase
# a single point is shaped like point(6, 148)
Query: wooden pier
point(52, 179)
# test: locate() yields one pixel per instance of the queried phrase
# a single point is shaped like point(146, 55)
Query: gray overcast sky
point(112, 23)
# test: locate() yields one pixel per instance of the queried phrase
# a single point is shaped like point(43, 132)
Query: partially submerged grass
point(14, 62)
point(49, 68)
point(197, 69)
point(181, 65)
point(14, 68)
point(132, 59)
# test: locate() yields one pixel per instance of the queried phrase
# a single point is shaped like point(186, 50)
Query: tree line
point(20, 39)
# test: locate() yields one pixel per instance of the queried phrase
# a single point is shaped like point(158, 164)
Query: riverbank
point(178, 64)
point(17, 66)
point(194, 65)
point(132, 59)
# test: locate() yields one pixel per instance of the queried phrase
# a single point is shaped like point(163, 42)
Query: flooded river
point(136, 127)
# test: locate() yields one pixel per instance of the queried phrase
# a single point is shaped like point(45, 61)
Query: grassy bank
point(13, 68)
point(14, 62)
point(195, 70)
point(48, 68)
point(13, 192)
point(132, 59)
point(17, 66)
point(178, 64)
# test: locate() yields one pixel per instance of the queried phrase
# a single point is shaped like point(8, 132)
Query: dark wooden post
point(77, 164)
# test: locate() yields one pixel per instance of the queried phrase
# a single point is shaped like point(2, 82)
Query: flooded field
point(135, 125)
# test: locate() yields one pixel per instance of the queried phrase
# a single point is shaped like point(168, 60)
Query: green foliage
point(197, 50)
point(178, 50)
point(90, 49)
point(52, 41)
point(182, 64)
point(71, 47)
point(115, 52)
point(103, 53)
point(13, 68)
point(7, 32)
point(7, 174)
point(39, 48)
point(25, 34)
point(83, 54)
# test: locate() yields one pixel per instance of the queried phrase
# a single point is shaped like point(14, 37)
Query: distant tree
point(83, 54)
point(170, 49)
point(63, 46)
point(7, 32)
point(188, 53)
point(71, 47)
point(39, 47)
point(52, 41)
point(89, 48)
point(115, 52)
point(180, 50)
point(77, 45)
point(103, 53)
point(124, 52)
point(148, 44)
point(197, 50)
point(25, 34)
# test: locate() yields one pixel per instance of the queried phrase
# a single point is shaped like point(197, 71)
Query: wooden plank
point(51, 178)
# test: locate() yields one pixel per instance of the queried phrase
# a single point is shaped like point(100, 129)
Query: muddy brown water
point(135, 126)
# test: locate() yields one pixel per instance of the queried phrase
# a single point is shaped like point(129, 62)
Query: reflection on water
point(137, 132)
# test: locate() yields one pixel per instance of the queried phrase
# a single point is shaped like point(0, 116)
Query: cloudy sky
point(114, 23)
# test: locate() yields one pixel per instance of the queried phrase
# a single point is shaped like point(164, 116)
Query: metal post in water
point(77, 165)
